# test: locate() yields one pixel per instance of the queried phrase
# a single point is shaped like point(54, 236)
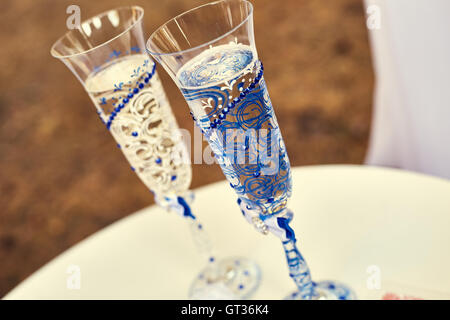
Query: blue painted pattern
point(118, 87)
point(247, 141)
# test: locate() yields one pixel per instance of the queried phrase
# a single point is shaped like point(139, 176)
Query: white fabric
point(411, 52)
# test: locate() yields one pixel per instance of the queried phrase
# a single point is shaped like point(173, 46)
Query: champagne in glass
point(230, 103)
point(142, 123)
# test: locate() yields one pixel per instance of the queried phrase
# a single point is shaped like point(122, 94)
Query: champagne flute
point(210, 54)
point(107, 54)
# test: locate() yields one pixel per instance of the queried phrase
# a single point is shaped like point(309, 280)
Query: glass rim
point(203, 44)
point(139, 9)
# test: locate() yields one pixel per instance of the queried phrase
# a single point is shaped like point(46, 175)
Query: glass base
point(230, 278)
point(328, 290)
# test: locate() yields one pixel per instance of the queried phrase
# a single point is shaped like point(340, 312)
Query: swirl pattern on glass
point(142, 123)
point(247, 142)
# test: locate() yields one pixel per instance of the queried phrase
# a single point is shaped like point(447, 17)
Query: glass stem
point(201, 239)
point(298, 269)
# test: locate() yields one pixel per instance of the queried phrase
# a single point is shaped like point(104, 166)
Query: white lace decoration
point(148, 135)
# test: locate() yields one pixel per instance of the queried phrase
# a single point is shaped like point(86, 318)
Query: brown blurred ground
point(62, 178)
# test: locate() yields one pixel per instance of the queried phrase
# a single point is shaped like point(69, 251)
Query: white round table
point(378, 230)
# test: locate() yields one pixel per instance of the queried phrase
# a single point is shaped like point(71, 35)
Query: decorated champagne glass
point(107, 54)
point(210, 54)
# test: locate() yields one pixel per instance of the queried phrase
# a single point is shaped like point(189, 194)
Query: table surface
point(378, 230)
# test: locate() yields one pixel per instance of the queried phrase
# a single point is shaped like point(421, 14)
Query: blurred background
point(62, 177)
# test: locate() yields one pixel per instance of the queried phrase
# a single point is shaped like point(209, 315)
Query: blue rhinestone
point(146, 80)
point(211, 259)
point(270, 200)
point(225, 110)
point(134, 134)
point(221, 116)
point(121, 106)
point(133, 169)
point(118, 146)
point(125, 100)
point(236, 100)
point(113, 114)
point(141, 85)
point(158, 160)
point(256, 174)
point(173, 178)
point(200, 226)
point(117, 109)
point(242, 95)
point(213, 125)
point(135, 90)
point(246, 90)
point(130, 95)
point(252, 85)
point(241, 287)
